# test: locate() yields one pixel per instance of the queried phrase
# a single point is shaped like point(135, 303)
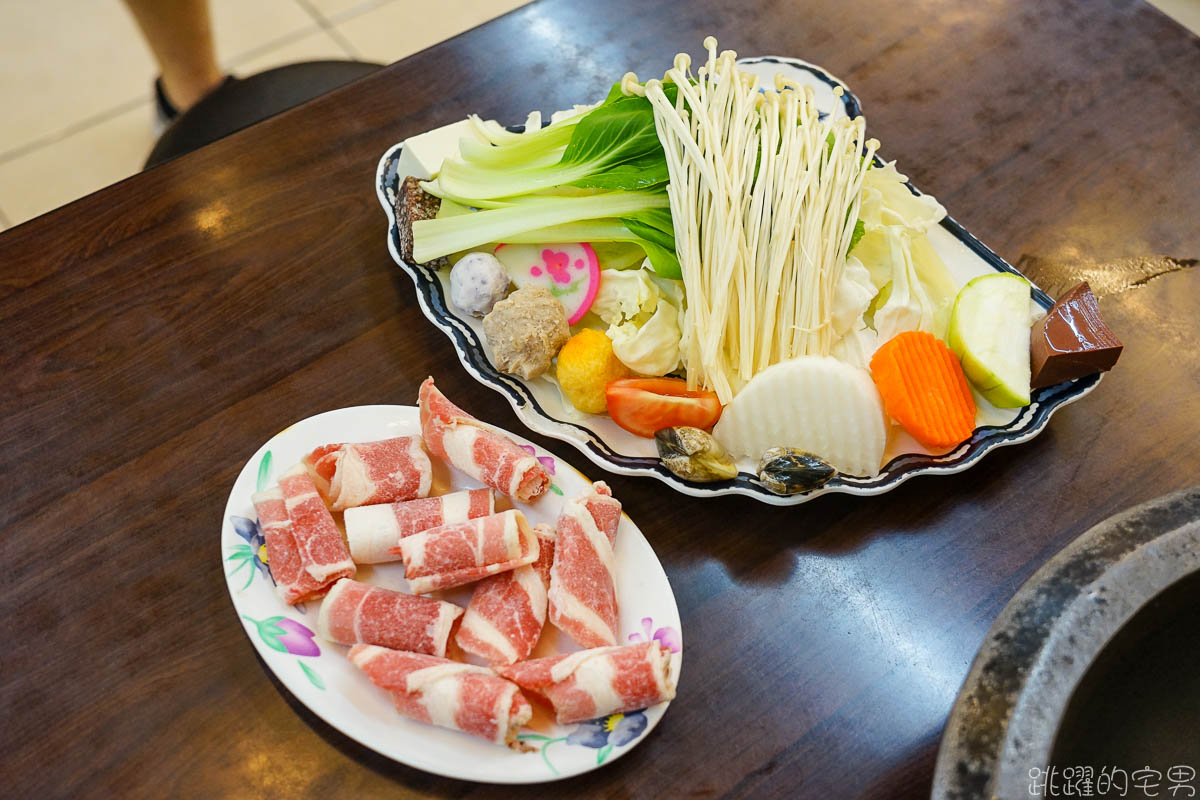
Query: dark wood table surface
point(157, 332)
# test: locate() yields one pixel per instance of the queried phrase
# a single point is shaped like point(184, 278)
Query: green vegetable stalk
point(438, 237)
point(597, 177)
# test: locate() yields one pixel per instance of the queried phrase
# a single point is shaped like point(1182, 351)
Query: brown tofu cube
point(412, 205)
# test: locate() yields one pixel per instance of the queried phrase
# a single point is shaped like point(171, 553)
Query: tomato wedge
point(645, 405)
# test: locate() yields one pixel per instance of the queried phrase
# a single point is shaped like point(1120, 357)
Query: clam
point(694, 455)
point(788, 470)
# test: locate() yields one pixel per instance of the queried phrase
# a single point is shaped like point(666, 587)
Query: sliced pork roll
point(489, 457)
point(465, 552)
point(583, 589)
point(350, 475)
point(355, 612)
point(508, 611)
point(375, 529)
point(292, 583)
point(323, 552)
point(597, 682)
point(305, 551)
point(437, 691)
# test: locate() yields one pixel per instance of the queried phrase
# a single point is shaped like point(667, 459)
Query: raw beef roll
point(322, 549)
point(508, 611)
point(489, 457)
point(356, 612)
point(583, 590)
point(461, 697)
point(594, 683)
point(374, 530)
point(350, 475)
point(467, 551)
point(307, 554)
point(322, 463)
point(292, 583)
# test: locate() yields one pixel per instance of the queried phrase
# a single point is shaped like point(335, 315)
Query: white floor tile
point(70, 127)
point(50, 51)
point(341, 10)
point(317, 46)
point(1185, 12)
point(395, 30)
point(247, 28)
point(64, 61)
point(57, 173)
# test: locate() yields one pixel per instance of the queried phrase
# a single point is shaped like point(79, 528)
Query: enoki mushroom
point(764, 196)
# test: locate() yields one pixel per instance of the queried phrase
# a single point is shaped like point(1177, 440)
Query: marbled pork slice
point(356, 612)
point(508, 611)
point(489, 457)
point(292, 583)
point(374, 530)
point(597, 682)
point(323, 553)
point(453, 555)
point(446, 693)
point(322, 463)
point(583, 579)
point(372, 472)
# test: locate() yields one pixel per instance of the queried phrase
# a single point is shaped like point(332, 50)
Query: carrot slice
point(924, 389)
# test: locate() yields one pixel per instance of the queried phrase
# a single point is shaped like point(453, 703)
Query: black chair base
point(240, 103)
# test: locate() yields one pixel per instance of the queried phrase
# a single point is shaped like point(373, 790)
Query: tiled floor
point(75, 77)
point(1185, 12)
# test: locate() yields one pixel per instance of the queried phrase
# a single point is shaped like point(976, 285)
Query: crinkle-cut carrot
point(924, 389)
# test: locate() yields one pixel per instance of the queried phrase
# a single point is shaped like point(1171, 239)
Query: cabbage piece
point(908, 307)
point(897, 254)
point(856, 347)
point(652, 349)
point(624, 295)
point(937, 280)
point(852, 298)
point(887, 201)
point(643, 322)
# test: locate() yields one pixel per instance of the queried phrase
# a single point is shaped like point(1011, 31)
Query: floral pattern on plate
point(322, 678)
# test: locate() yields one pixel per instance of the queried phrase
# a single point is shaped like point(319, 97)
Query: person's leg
point(180, 35)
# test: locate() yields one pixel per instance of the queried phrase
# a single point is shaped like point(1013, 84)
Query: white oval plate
point(540, 406)
point(318, 673)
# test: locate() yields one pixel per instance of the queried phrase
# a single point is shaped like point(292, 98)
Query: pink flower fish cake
point(570, 271)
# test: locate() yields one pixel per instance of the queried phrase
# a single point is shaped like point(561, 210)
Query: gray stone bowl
point(1096, 658)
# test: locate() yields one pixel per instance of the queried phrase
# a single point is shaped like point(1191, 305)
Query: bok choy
point(594, 177)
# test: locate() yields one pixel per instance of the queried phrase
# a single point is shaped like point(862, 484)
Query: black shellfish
point(787, 470)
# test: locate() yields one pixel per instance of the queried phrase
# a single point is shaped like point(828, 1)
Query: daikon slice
point(816, 403)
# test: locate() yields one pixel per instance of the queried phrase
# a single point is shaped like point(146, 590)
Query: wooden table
point(155, 333)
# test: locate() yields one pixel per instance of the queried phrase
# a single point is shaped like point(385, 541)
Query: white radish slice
point(570, 271)
point(815, 403)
